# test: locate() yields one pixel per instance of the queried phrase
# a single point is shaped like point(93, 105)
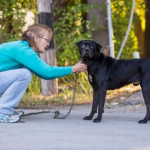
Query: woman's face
point(42, 42)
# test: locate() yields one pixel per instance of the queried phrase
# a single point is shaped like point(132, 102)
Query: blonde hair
point(35, 30)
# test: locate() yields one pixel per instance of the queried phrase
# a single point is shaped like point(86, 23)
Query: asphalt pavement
point(118, 130)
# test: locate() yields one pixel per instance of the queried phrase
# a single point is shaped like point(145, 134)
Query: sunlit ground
point(65, 98)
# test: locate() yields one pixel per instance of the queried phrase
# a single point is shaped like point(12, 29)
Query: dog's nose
point(86, 49)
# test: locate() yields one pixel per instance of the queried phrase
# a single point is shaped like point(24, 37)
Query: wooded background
point(78, 20)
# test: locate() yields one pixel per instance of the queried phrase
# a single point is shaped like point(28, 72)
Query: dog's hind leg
point(94, 105)
point(146, 118)
point(146, 96)
point(149, 117)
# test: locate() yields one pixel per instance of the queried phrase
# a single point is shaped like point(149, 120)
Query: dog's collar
point(93, 60)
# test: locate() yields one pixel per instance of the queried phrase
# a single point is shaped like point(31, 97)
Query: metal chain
point(35, 113)
point(73, 99)
point(57, 112)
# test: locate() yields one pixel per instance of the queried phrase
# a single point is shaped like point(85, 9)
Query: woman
point(17, 60)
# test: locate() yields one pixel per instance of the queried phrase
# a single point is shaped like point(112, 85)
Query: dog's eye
point(82, 46)
point(91, 46)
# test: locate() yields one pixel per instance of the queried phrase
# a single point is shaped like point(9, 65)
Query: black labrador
point(106, 73)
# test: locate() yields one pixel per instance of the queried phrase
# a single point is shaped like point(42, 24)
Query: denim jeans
point(13, 84)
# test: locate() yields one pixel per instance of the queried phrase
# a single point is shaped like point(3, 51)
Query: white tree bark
point(45, 16)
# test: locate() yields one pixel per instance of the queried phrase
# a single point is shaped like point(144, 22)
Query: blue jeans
point(13, 84)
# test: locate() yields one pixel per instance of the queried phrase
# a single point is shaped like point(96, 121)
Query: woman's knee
point(26, 74)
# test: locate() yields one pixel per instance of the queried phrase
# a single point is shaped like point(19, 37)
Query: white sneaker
point(4, 118)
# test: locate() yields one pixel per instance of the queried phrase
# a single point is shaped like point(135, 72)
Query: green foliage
point(70, 26)
point(34, 87)
point(12, 18)
point(70, 29)
point(120, 16)
point(121, 12)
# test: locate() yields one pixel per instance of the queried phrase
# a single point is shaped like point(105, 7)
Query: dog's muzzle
point(85, 58)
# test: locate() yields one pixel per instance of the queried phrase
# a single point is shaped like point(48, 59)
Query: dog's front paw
point(142, 121)
point(96, 120)
point(87, 118)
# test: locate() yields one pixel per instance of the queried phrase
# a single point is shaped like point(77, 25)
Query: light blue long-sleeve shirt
point(17, 54)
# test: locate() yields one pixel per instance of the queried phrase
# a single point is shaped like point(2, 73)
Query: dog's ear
point(78, 44)
point(99, 46)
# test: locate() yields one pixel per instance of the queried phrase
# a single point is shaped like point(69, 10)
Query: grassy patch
point(65, 97)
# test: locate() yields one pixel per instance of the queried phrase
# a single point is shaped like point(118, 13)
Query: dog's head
point(89, 50)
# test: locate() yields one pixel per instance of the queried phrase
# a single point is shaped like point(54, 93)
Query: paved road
point(118, 130)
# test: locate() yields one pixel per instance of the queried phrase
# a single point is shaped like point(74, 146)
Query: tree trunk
point(147, 31)
point(45, 16)
point(139, 33)
point(98, 19)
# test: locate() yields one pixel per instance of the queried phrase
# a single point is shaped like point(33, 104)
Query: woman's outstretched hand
point(79, 67)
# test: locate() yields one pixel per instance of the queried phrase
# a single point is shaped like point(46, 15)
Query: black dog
point(106, 73)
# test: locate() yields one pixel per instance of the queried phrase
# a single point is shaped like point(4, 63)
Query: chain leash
point(73, 99)
point(56, 116)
